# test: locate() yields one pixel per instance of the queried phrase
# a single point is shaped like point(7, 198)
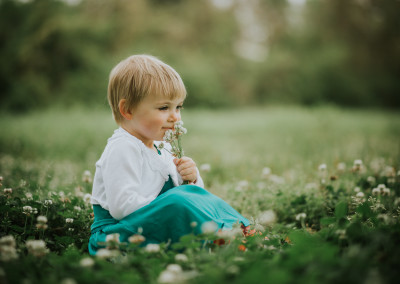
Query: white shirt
point(129, 175)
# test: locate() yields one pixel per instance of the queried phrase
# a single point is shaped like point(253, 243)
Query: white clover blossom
point(205, 168)
point(242, 185)
point(358, 163)
point(136, 239)
point(360, 194)
point(48, 202)
point(267, 218)
point(27, 210)
point(322, 167)
point(8, 253)
point(87, 197)
point(371, 179)
point(172, 274)
point(68, 280)
point(266, 172)
point(209, 227)
point(174, 138)
point(29, 196)
point(160, 146)
point(69, 220)
point(180, 257)
point(77, 208)
point(357, 189)
point(87, 176)
point(8, 241)
point(112, 238)
point(86, 262)
point(36, 247)
point(341, 167)
point(152, 248)
point(41, 219)
point(8, 190)
point(301, 216)
point(106, 253)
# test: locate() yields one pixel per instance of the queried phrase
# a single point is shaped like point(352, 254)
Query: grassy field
point(320, 228)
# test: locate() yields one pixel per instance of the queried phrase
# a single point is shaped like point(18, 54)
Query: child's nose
point(175, 116)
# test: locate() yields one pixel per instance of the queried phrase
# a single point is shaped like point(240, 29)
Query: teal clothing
point(166, 218)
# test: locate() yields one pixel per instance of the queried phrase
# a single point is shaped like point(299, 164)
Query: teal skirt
point(166, 218)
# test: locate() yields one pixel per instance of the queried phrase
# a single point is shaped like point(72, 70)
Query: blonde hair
point(138, 76)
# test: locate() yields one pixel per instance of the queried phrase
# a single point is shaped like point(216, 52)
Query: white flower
point(371, 179)
point(205, 168)
point(48, 202)
point(8, 240)
point(180, 257)
point(386, 191)
point(267, 218)
point(301, 216)
point(8, 190)
point(87, 176)
point(36, 247)
point(360, 194)
point(341, 167)
point(29, 196)
point(41, 219)
point(176, 268)
point(68, 281)
point(168, 277)
point(86, 262)
point(77, 208)
point(112, 239)
point(27, 210)
point(322, 167)
point(61, 194)
point(71, 229)
point(152, 248)
point(381, 186)
point(358, 163)
point(357, 189)
point(69, 220)
point(105, 253)
point(242, 185)
point(8, 253)
point(136, 239)
point(277, 179)
point(160, 146)
point(265, 172)
point(209, 227)
point(87, 197)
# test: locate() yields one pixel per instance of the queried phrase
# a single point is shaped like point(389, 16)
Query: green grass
point(47, 152)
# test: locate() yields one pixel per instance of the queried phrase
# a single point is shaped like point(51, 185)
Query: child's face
point(153, 117)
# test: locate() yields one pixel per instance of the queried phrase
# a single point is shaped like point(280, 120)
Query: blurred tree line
point(229, 52)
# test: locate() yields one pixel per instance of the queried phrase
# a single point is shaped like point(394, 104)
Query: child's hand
point(186, 167)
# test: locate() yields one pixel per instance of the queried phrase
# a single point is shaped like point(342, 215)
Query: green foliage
point(325, 230)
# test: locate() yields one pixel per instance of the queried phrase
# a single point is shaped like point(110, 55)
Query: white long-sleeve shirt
point(129, 175)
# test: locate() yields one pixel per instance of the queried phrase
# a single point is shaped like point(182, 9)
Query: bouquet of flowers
point(173, 137)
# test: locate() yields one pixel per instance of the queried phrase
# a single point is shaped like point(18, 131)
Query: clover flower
point(86, 262)
point(266, 172)
point(242, 185)
point(267, 218)
point(105, 253)
point(371, 180)
point(136, 239)
point(152, 248)
point(172, 274)
point(209, 227)
point(358, 166)
point(341, 167)
point(180, 257)
point(48, 202)
point(301, 216)
point(69, 220)
point(29, 196)
point(112, 241)
point(27, 210)
point(87, 197)
point(173, 137)
point(77, 208)
point(36, 247)
point(8, 252)
point(205, 168)
point(322, 168)
point(87, 176)
point(68, 281)
point(8, 190)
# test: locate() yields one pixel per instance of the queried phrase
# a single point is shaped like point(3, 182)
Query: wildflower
point(209, 227)
point(371, 179)
point(277, 179)
point(86, 262)
point(242, 248)
point(68, 281)
point(8, 253)
point(8, 190)
point(357, 189)
point(242, 185)
point(271, 247)
point(301, 216)
point(87, 197)
point(205, 168)
point(233, 269)
point(112, 240)
point(152, 248)
point(8, 240)
point(136, 239)
point(360, 194)
point(87, 176)
point(27, 210)
point(48, 202)
point(388, 171)
point(376, 191)
point(386, 191)
point(77, 208)
point(267, 218)
point(35, 211)
point(341, 167)
point(69, 220)
point(79, 191)
point(193, 224)
point(71, 229)
point(261, 185)
point(42, 219)
point(36, 247)
point(266, 172)
point(176, 268)
point(61, 194)
point(29, 196)
point(1, 179)
point(105, 253)
point(341, 234)
point(180, 257)
point(172, 274)
point(358, 166)
point(322, 168)
point(174, 138)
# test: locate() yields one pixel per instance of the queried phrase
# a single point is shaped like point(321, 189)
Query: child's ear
point(124, 110)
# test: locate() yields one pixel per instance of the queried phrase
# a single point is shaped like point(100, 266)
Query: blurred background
point(228, 52)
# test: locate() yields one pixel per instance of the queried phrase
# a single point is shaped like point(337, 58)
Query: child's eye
point(179, 107)
point(163, 108)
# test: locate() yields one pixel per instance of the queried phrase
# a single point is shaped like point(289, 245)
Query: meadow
point(320, 185)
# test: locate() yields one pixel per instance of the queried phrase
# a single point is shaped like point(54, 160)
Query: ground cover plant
point(321, 187)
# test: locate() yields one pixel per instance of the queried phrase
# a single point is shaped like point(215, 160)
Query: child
point(138, 187)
